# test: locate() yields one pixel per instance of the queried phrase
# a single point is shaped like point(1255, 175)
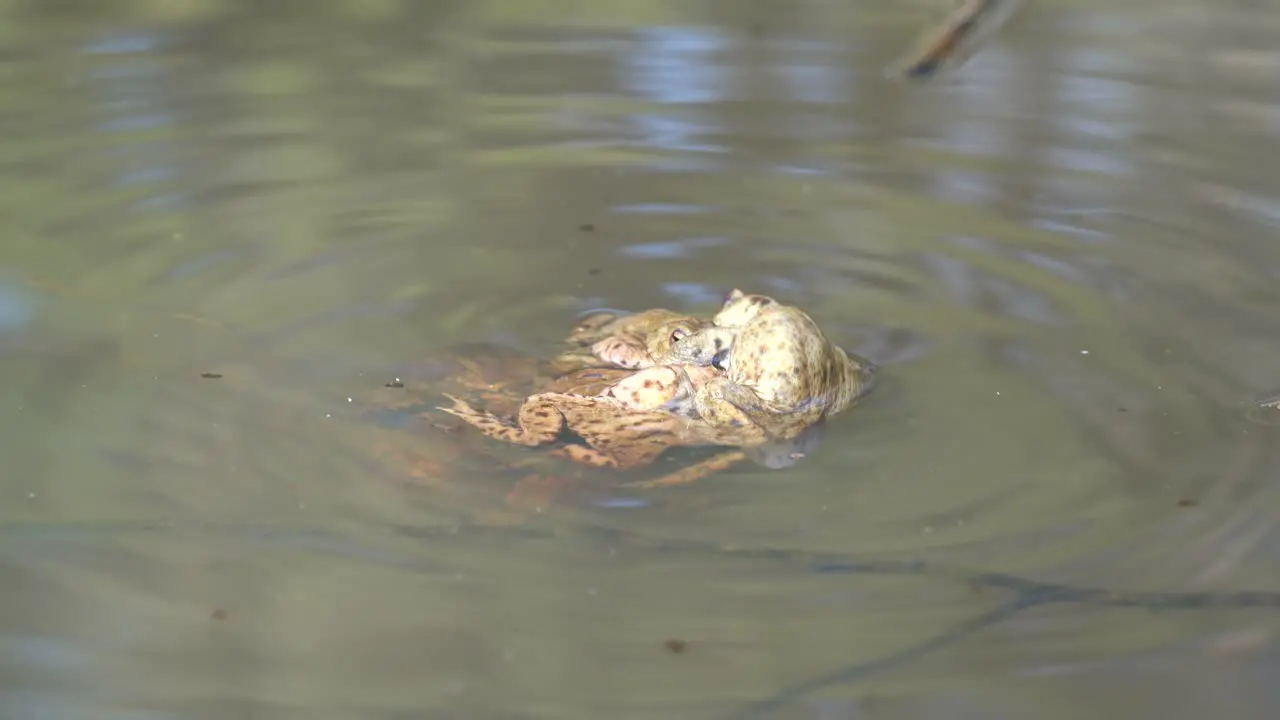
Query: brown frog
point(627, 341)
point(599, 325)
point(627, 424)
point(781, 373)
point(431, 452)
point(640, 349)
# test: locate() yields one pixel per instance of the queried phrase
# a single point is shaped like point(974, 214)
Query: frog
point(627, 424)
point(781, 373)
point(625, 341)
point(639, 349)
point(605, 323)
point(407, 437)
point(587, 381)
point(624, 424)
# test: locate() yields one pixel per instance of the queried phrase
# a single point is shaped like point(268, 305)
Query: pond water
point(1057, 503)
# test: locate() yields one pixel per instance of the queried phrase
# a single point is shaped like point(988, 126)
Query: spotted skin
point(628, 424)
point(639, 348)
point(624, 340)
point(603, 324)
point(781, 374)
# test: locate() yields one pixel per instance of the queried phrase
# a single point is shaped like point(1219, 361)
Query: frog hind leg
point(533, 429)
point(695, 472)
point(585, 456)
point(627, 438)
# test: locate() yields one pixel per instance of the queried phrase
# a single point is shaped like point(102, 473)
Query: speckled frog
point(627, 424)
point(781, 373)
point(629, 341)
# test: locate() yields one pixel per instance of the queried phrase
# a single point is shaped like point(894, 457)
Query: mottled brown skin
point(600, 325)
point(781, 373)
point(437, 456)
point(640, 348)
point(628, 424)
point(588, 381)
point(627, 341)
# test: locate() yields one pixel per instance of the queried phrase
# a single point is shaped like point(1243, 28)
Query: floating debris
point(1265, 411)
point(949, 45)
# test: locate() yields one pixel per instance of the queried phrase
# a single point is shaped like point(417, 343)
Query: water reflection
point(674, 249)
point(134, 108)
point(1064, 267)
point(671, 66)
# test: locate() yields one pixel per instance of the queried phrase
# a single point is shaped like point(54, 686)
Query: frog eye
point(720, 360)
point(678, 333)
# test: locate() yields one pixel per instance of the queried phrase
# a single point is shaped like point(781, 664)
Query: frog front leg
point(538, 423)
point(726, 404)
point(770, 420)
point(622, 351)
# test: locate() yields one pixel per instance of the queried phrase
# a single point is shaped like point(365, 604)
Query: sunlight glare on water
point(249, 245)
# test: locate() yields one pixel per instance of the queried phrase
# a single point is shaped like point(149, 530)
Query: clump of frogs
point(781, 374)
point(627, 422)
point(756, 377)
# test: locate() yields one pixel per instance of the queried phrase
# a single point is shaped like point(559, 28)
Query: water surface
point(1064, 258)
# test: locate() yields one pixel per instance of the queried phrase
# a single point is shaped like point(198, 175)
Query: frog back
point(779, 354)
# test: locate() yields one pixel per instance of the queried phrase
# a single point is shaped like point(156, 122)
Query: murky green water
point(1065, 260)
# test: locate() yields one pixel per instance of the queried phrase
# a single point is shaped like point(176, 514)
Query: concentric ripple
point(241, 237)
